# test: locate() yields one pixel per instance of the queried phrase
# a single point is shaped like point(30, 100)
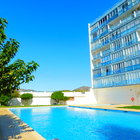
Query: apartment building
point(115, 51)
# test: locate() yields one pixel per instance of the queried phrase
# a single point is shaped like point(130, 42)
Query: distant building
point(115, 47)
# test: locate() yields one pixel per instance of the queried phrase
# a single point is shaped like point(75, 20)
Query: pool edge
point(107, 108)
point(30, 133)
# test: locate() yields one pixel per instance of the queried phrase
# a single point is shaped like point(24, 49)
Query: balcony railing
point(116, 48)
point(97, 75)
point(104, 33)
point(96, 47)
point(118, 83)
point(112, 18)
point(96, 56)
point(93, 30)
point(106, 63)
point(97, 66)
point(117, 59)
point(128, 7)
point(100, 45)
point(116, 36)
point(106, 52)
point(131, 17)
point(125, 32)
point(121, 70)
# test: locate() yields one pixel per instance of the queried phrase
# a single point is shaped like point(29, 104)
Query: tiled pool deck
point(12, 128)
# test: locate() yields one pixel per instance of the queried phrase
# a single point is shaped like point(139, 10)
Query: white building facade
point(115, 53)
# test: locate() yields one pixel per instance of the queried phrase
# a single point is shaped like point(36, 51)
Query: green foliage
point(4, 99)
point(15, 94)
point(66, 91)
point(12, 75)
point(59, 96)
point(130, 107)
point(26, 96)
point(65, 98)
point(78, 90)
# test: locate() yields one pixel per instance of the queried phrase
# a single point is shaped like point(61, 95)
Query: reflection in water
point(40, 111)
point(114, 132)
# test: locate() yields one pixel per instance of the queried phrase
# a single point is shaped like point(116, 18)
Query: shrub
point(59, 96)
point(26, 96)
point(15, 94)
point(78, 90)
point(66, 91)
point(66, 98)
point(4, 99)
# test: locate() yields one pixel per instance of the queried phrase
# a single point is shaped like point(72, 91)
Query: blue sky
point(54, 33)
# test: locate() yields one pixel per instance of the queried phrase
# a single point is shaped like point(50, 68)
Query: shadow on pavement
point(11, 127)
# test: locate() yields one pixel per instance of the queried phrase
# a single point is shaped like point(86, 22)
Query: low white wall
point(118, 95)
point(44, 98)
point(114, 95)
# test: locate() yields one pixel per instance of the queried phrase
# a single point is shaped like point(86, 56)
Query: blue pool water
point(69, 123)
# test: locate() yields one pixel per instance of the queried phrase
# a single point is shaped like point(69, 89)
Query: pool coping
point(108, 108)
point(29, 132)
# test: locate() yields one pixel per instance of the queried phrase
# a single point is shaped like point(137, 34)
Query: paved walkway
point(109, 107)
point(12, 128)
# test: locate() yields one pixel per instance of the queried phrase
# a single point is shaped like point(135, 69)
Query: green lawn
point(29, 106)
point(130, 107)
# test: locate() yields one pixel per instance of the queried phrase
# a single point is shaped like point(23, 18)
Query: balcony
point(118, 83)
point(133, 67)
point(106, 63)
point(96, 66)
point(125, 32)
point(133, 55)
point(104, 23)
point(128, 7)
point(97, 56)
point(136, 67)
point(104, 33)
point(117, 59)
point(130, 18)
point(118, 35)
point(109, 73)
point(97, 37)
point(127, 69)
point(94, 39)
point(96, 47)
point(100, 45)
point(132, 42)
point(97, 75)
point(121, 70)
point(93, 30)
point(106, 52)
point(137, 13)
point(116, 48)
point(112, 18)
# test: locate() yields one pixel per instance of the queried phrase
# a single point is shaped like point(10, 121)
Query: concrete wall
point(118, 95)
point(44, 98)
point(114, 95)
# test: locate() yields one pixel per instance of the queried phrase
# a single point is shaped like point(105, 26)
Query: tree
point(59, 96)
point(12, 75)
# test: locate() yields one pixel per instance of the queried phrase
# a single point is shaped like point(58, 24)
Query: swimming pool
point(69, 123)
